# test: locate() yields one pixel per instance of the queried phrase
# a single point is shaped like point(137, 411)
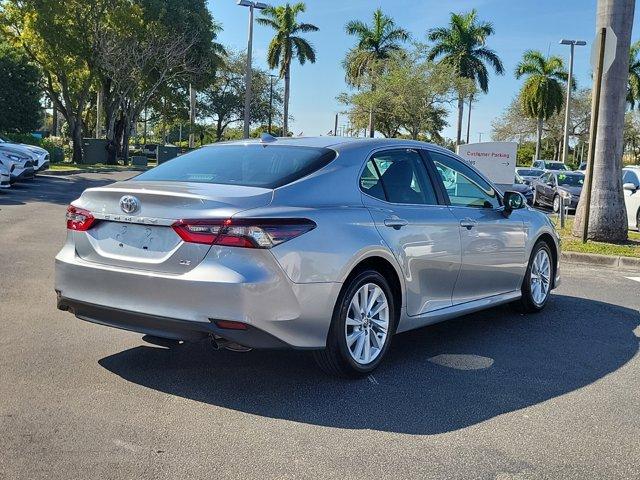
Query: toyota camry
point(327, 244)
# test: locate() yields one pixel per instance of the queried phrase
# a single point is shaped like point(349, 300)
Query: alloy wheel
point(540, 277)
point(367, 323)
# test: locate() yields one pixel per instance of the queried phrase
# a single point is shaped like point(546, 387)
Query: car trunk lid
point(143, 238)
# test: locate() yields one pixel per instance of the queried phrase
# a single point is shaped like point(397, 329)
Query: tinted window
point(570, 180)
point(556, 166)
point(464, 186)
point(398, 176)
point(267, 166)
point(630, 177)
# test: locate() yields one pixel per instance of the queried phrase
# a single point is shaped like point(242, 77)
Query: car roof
point(331, 142)
point(565, 172)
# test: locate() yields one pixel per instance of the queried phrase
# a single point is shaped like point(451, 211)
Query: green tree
point(462, 44)
point(222, 100)
point(542, 94)
point(376, 44)
point(287, 44)
point(633, 88)
point(20, 92)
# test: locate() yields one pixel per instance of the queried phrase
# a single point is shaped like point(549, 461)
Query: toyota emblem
point(129, 204)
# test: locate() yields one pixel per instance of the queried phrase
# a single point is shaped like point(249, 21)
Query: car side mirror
point(630, 186)
point(512, 201)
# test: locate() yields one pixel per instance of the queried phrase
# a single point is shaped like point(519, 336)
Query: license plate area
point(135, 241)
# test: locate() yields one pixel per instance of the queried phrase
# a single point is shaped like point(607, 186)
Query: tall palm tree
point(633, 89)
point(287, 44)
point(462, 44)
point(542, 93)
point(376, 44)
point(607, 217)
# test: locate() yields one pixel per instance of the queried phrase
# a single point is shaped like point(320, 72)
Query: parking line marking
point(373, 380)
point(635, 279)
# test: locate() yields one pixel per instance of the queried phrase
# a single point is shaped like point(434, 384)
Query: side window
point(398, 176)
point(464, 186)
point(630, 177)
point(546, 178)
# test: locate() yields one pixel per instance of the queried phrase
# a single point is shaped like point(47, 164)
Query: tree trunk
point(608, 218)
point(76, 137)
point(287, 83)
point(460, 115)
point(54, 122)
point(538, 138)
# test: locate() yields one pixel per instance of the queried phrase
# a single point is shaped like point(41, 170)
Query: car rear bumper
point(278, 312)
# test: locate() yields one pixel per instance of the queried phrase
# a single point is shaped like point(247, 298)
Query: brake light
point(79, 219)
point(246, 233)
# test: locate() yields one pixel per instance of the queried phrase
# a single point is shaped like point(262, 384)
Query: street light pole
point(247, 75)
point(567, 113)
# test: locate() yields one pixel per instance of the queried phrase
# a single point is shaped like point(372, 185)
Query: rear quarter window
point(266, 166)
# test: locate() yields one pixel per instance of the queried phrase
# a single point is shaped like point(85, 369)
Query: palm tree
point(607, 215)
point(462, 44)
point(376, 44)
point(633, 89)
point(542, 94)
point(286, 44)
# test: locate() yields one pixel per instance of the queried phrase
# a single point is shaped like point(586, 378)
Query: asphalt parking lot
point(494, 395)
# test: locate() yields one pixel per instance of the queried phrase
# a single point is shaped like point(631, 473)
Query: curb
point(604, 261)
point(62, 173)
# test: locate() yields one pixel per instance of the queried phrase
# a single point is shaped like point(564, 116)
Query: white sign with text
point(495, 160)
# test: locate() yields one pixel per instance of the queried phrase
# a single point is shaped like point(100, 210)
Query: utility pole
point(593, 129)
point(567, 113)
point(335, 126)
point(247, 75)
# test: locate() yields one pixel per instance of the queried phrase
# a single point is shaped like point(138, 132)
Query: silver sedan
point(327, 244)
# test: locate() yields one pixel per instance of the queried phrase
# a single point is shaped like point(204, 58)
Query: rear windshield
point(530, 173)
point(266, 166)
point(556, 166)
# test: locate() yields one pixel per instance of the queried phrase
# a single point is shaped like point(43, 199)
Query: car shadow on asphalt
point(437, 379)
point(60, 190)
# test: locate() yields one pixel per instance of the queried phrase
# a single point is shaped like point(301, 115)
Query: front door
point(493, 246)
point(422, 234)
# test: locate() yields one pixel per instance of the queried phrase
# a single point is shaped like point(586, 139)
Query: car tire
point(339, 358)
point(556, 203)
point(531, 301)
point(638, 220)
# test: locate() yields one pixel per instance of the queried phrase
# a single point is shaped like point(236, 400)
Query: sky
point(519, 25)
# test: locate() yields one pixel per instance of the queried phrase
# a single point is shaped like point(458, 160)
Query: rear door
point(422, 233)
point(493, 246)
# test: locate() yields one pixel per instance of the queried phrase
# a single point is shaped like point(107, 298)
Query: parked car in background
point(23, 165)
point(554, 185)
point(631, 188)
point(5, 174)
point(525, 190)
point(240, 242)
point(39, 156)
point(549, 165)
point(527, 175)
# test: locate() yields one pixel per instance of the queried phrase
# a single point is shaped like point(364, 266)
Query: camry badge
point(129, 204)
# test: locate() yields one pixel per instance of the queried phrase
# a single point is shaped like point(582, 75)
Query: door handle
point(468, 223)
point(395, 222)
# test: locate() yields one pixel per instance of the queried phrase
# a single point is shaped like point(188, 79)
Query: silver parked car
point(326, 244)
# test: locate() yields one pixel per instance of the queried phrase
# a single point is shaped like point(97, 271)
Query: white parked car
point(23, 165)
point(39, 156)
point(5, 174)
point(631, 185)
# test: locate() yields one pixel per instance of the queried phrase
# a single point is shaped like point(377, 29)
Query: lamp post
point(247, 76)
point(567, 113)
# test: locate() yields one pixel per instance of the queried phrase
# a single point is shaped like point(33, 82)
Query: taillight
point(247, 233)
point(79, 219)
